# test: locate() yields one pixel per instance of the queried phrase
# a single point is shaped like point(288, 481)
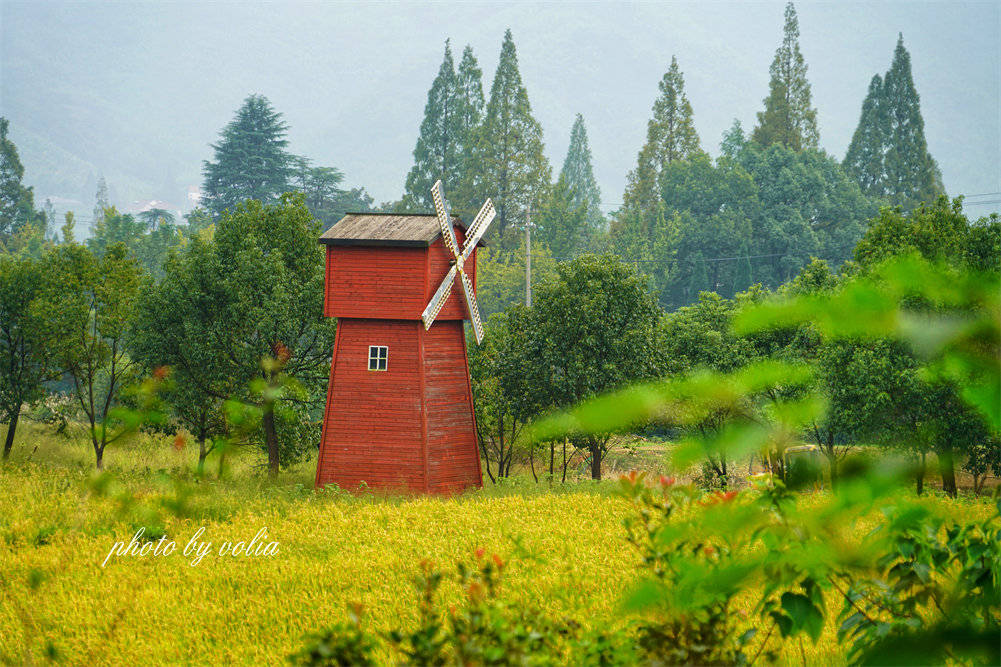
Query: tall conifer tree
point(864, 160)
point(437, 153)
point(507, 161)
point(788, 118)
point(469, 91)
point(670, 137)
point(888, 156)
point(578, 173)
point(911, 175)
point(251, 160)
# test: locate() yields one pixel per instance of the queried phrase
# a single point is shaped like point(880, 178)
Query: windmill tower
point(399, 409)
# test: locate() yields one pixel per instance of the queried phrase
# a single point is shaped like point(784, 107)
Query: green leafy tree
point(592, 331)
point(788, 118)
point(252, 293)
point(733, 140)
point(87, 304)
point(17, 202)
point(562, 221)
point(69, 224)
point(500, 276)
point(113, 227)
point(503, 397)
point(806, 207)
point(176, 325)
point(156, 217)
point(579, 175)
point(438, 153)
point(508, 163)
point(25, 359)
point(911, 174)
point(250, 159)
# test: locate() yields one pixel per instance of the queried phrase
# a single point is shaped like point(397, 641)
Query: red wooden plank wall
point(453, 456)
point(372, 430)
point(391, 283)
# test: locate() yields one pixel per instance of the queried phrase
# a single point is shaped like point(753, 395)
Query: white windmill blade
point(479, 227)
point(444, 217)
point(474, 310)
point(437, 302)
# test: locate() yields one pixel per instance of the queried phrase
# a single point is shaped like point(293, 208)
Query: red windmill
point(399, 406)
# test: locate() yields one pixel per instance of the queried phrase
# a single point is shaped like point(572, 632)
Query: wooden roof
point(417, 230)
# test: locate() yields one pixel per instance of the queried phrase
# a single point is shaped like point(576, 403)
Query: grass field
point(565, 546)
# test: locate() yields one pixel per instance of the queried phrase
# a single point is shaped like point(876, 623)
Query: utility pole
point(528, 258)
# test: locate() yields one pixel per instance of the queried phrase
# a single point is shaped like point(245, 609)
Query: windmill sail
point(473, 236)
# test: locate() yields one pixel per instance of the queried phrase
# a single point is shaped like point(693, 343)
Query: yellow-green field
point(565, 547)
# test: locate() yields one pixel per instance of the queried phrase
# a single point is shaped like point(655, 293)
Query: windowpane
point(378, 357)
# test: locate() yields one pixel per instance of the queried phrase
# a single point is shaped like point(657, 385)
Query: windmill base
point(410, 427)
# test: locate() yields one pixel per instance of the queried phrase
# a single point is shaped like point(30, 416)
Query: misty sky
point(137, 91)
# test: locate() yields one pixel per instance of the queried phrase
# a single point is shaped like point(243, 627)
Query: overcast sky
point(137, 91)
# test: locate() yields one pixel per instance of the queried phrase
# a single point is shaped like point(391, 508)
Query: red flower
point(480, 552)
point(179, 441)
point(497, 561)
point(666, 481)
point(720, 497)
point(161, 373)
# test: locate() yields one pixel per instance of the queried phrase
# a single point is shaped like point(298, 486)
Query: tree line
point(240, 281)
point(595, 327)
point(758, 213)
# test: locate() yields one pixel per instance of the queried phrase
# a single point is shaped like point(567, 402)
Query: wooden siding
point(372, 431)
point(453, 458)
point(393, 283)
point(410, 427)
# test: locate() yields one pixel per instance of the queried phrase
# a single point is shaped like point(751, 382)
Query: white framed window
point(378, 357)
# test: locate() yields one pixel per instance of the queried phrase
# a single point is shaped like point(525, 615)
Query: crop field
point(564, 546)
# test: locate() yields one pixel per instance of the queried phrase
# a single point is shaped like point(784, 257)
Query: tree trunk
point(595, 460)
point(99, 453)
point(921, 475)
point(271, 438)
point(947, 470)
point(202, 454)
point(564, 460)
point(11, 428)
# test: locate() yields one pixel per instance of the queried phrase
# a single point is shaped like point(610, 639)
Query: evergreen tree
point(788, 118)
point(864, 159)
point(437, 153)
point(579, 175)
point(251, 161)
point(670, 137)
point(507, 161)
point(562, 222)
point(469, 105)
point(733, 140)
point(911, 175)
point(101, 202)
